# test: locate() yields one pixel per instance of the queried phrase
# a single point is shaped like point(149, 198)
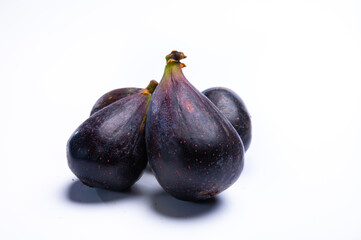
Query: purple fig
point(234, 109)
point(113, 96)
point(108, 149)
point(193, 150)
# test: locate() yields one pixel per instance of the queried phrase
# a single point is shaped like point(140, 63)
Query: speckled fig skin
point(232, 106)
point(193, 150)
point(108, 149)
point(113, 96)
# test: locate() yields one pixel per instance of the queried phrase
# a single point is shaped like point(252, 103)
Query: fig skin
point(193, 150)
point(113, 96)
point(108, 149)
point(234, 109)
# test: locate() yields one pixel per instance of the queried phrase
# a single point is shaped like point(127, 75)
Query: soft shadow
point(169, 206)
point(79, 193)
point(148, 169)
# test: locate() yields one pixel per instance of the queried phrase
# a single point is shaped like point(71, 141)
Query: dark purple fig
point(108, 149)
point(193, 150)
point(232, 106)
point(113, 96)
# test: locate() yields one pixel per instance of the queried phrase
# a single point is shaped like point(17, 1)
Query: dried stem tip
point(175, 56)
point(151, 86)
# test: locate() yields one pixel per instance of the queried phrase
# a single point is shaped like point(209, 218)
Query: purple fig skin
point(113, 96)
point(193, 150)
point(234, 109)
point(108, 149)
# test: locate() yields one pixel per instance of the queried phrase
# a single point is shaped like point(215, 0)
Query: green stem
point(174, 66)
point(151, 86)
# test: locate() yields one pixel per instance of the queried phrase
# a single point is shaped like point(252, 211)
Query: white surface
point(296, 64)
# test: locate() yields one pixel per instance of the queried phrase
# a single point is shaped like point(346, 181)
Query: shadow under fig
point(148, 169)
point(169, 206)
point(79, 193)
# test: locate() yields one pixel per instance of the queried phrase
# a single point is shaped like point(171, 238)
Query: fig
point(234, 109)
point(108, 149)
point(192, 148)
point(113, 96)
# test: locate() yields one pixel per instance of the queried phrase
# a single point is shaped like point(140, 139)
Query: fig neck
point(173, 69)
point(173, 73)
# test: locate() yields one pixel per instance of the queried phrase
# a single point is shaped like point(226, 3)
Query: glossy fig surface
point(113, 96)
point(108, 149)
point(193, 150)
point(232, 106)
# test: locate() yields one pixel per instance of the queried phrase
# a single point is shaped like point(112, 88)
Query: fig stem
point(175, 56)
point(173, 68)
point(151, 86)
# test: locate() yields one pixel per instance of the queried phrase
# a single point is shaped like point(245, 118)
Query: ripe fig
point(193, 150)
point(113, 96)
point(234, 109)
point(108, 149)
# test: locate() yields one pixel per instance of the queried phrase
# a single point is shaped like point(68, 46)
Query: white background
point(296, 65)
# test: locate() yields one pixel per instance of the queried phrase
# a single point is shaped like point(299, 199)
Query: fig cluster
point(194, 142)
